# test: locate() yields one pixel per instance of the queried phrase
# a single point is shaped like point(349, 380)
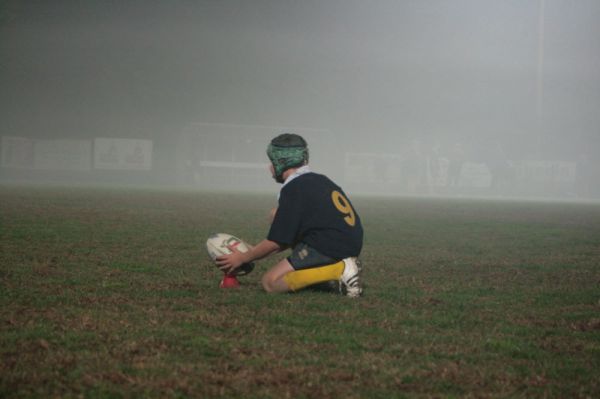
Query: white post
point(539, 108)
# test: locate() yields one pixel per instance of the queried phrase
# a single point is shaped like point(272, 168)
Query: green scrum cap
point(287, 151)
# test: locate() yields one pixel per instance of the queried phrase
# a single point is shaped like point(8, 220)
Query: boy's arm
point(230, 262)
point(261, 250)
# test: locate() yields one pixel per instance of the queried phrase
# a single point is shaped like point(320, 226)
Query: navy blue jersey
point(314, 210)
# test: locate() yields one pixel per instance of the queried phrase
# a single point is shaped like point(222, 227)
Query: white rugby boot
point(350, 280)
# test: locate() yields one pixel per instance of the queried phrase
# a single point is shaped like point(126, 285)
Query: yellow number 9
point(342, 205)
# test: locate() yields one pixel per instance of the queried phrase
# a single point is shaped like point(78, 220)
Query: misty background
point(417, 97)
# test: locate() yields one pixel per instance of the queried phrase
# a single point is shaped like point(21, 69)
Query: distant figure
point(435, 169)
point(584, 176)
point(414, 166)
point(457, 158)
point(499, 167)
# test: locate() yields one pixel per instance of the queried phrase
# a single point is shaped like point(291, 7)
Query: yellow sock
point(303, 278)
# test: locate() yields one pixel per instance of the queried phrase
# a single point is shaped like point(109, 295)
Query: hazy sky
point(376, 73)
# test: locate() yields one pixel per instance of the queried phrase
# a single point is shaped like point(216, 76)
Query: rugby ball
point(218, 244)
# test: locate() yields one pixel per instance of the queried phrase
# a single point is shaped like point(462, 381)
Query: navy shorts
point(305, 257)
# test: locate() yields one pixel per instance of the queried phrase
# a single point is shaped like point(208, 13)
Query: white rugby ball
point(218, 244)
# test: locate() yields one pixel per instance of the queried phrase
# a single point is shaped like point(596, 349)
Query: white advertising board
point(55, 154)
point(122, 154)
point(17, 152)
point(371, 167)
point(545, 171)
point(475, 175)
point(63, 155)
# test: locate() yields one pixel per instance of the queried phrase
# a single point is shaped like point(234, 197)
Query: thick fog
point(419, 97)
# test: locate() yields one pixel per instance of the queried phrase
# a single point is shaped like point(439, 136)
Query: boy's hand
point(228, 263)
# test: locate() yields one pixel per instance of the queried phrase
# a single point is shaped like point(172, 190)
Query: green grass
point(109, 293)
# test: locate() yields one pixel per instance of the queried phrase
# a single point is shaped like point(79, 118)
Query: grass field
point(109, 293)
